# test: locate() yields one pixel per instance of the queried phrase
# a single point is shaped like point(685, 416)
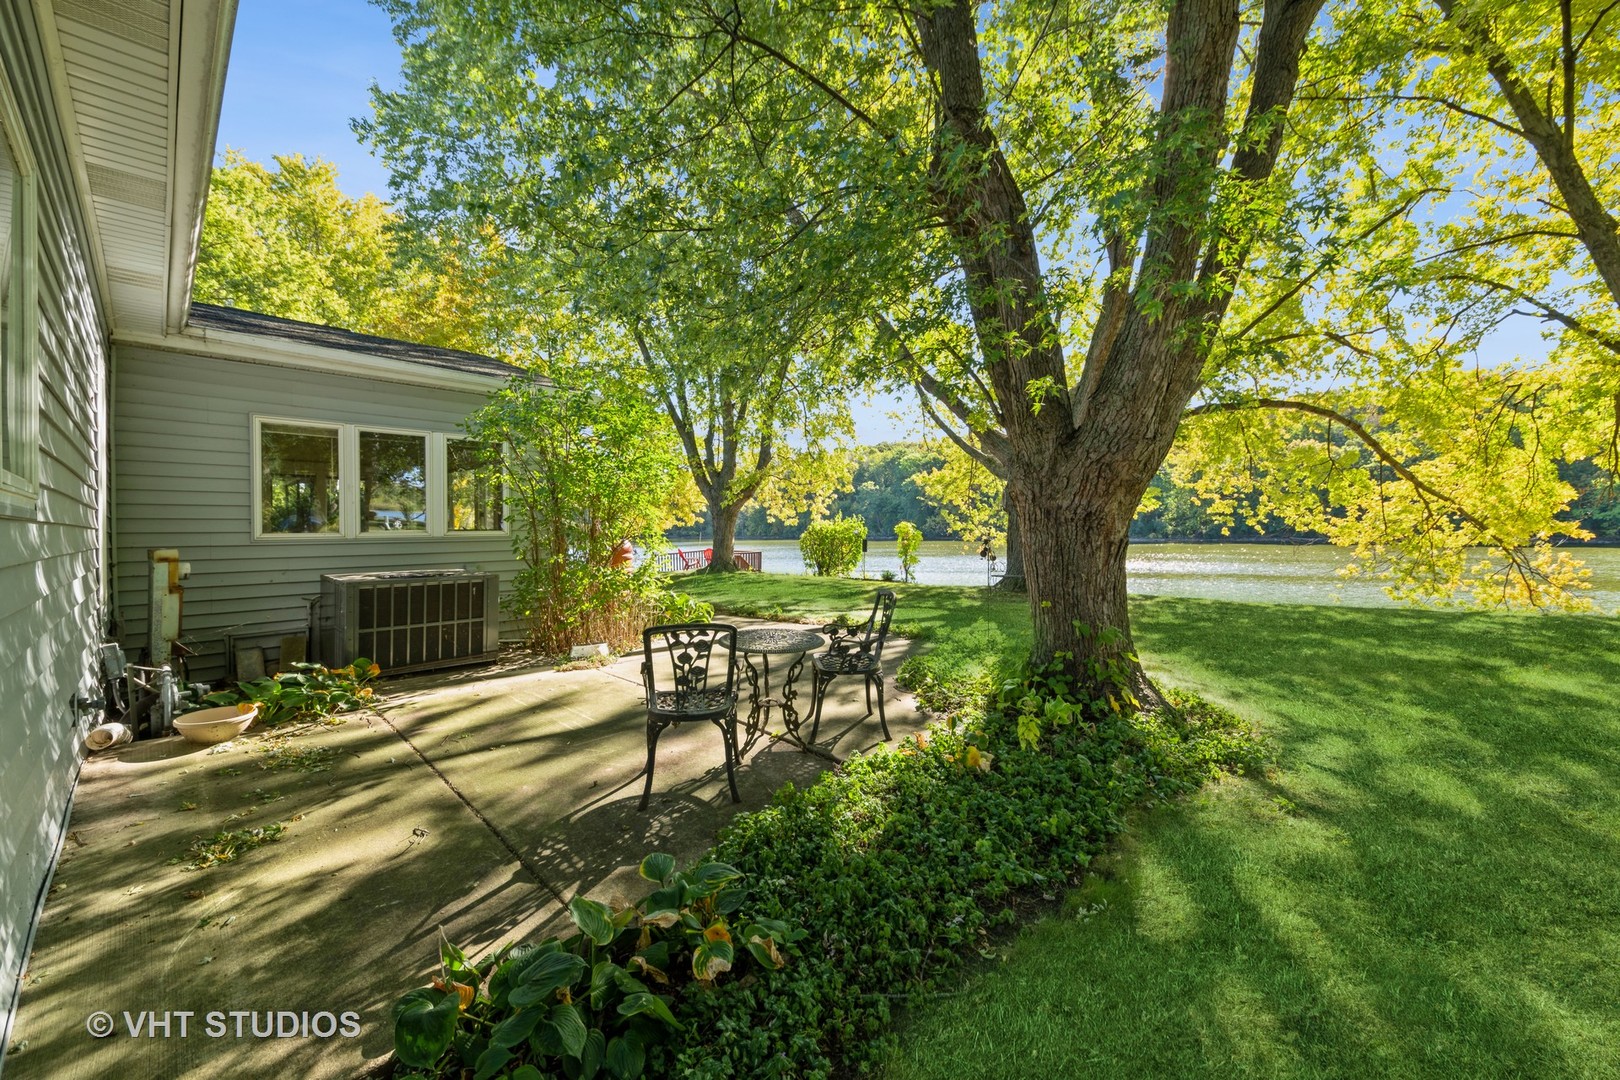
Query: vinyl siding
point(183, 465)
point(51, 605)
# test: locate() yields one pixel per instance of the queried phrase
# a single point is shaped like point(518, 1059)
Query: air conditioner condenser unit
point(410, 620)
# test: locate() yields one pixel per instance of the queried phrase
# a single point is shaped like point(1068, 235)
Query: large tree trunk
point(724, 520)
point(1079, 573)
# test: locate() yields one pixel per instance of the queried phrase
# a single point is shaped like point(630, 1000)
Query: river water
point(1260, 573)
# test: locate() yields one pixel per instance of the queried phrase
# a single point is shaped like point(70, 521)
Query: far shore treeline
point(883, 493)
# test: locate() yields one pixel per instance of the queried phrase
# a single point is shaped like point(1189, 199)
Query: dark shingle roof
point(206, 317)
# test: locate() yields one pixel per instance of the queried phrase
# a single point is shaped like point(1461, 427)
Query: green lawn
point(923, 611)
point(1428, 884)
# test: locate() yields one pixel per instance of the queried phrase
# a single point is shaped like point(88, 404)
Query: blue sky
point(301, 70)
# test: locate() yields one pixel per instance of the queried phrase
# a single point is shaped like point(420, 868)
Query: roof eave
point(201, 54)
point(268, 349)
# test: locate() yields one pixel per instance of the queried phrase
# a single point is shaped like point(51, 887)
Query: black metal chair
point(694, 689)
point(855, 650)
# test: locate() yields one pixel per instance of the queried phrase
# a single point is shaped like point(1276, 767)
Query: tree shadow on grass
point(1426, 887)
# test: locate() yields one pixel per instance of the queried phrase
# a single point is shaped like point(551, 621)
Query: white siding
point(182, 461)
point(50, 561)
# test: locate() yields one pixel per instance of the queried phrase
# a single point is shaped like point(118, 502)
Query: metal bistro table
point(765, 642)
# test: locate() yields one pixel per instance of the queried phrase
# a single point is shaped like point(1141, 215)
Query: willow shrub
point(907, 541)
point(831, 548)
point(585, 470)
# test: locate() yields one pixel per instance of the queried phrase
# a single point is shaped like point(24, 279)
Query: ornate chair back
point(867, 638)
point(877, 625)
point(680, 659)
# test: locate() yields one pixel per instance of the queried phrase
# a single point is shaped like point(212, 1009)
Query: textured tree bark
point(724, 520)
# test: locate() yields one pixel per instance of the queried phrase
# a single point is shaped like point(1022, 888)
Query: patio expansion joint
point(500, 837)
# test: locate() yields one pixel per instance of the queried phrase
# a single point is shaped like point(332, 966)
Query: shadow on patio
point(395, 830)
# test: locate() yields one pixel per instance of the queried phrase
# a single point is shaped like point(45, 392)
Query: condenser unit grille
point(413, 620)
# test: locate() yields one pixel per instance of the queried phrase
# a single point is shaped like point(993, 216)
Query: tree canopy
point(1075, 225)
point(286, 241)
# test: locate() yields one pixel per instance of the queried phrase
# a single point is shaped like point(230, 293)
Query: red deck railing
point(680, 559)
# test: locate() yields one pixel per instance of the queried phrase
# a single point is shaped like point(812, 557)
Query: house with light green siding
point(275, 456)
point(271, 453)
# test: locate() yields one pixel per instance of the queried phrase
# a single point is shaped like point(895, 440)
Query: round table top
point(772, 639)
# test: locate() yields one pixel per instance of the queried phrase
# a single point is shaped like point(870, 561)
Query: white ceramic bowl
point(215, 725)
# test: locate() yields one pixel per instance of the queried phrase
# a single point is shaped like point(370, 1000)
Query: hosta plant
point(594, 1003)
point(308, 692)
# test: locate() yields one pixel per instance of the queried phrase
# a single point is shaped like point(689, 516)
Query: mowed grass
point(1427, 885)
point(925, 612)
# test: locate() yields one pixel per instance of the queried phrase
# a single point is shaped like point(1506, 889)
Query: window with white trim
point(19, 376)
point(298, 479)
point(473, 487)
point(313, 479)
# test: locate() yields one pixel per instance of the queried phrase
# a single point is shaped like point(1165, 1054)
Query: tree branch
point(736, 32)
point(1327, 261)
point(1606, 340)
point(927, 382)
point(995, 467)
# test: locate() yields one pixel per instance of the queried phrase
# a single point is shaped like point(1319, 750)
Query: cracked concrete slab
point(396, 829)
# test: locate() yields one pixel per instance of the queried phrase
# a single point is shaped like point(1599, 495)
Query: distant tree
point(880, 490)
point(885, 493)
point(907, 540)
point(285, 240)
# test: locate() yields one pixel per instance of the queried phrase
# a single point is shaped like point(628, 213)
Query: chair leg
point(882, 720)
point(653, 731)
point(868, 682)
point(818, 689)
point(728, 735)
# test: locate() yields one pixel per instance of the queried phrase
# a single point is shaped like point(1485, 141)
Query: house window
point(19, 423)
point(298, 479)
point(473, 486)
point(393, 482)
point(342, 480)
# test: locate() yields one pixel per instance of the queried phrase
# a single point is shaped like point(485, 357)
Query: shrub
point(907, 539)
point(585, 470)
point(833, 547)
point(958, 677)
point(585, 1005)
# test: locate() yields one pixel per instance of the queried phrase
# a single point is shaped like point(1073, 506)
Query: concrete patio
point(475, 805)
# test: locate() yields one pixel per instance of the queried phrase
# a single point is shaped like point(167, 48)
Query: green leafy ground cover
point(1427, 884)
